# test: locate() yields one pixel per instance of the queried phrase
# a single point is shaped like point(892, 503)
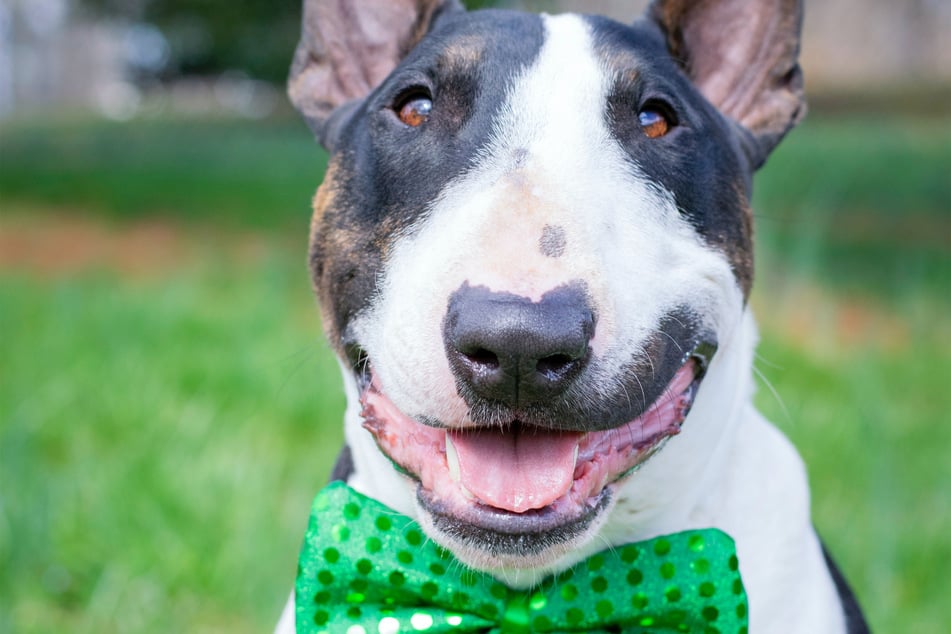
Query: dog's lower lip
point(511, 534)
point(500, 521)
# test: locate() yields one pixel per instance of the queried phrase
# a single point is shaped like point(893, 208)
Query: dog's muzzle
point(521, 474)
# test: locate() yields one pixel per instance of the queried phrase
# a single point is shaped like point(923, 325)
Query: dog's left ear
point(743, 55)
point(348, 47)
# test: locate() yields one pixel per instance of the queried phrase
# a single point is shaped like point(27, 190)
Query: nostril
point(483, 358)
point(553, 367)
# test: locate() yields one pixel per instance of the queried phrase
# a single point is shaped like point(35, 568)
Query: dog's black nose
point(509, 349)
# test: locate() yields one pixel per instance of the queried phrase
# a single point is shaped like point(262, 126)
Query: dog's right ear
point(348, 47)
point(743, 55)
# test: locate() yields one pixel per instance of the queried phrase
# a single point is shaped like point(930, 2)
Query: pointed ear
point(348, 47)
point(743, 55)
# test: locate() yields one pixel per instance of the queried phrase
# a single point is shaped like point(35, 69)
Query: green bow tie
point(364, 569)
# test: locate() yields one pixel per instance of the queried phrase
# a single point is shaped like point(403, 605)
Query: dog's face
point(532, 238)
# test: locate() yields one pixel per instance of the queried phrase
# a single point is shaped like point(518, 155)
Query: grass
point(259, 174)
point(160, 442)
point(163, 425)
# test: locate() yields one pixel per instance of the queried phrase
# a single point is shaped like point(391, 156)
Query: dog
point(533, 254)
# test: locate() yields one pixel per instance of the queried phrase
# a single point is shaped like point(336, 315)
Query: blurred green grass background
point(168, 406)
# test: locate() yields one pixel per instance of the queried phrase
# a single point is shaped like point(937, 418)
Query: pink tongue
point(528, 469)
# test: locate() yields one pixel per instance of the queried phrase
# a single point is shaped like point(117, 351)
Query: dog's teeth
point(466, 493)
point(452, 459)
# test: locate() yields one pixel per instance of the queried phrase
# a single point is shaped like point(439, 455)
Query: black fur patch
point(387, 174)
point(343, 467)
point(854, 619)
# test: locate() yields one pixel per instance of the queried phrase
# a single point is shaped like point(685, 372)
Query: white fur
point(624, 236)
point(552, 161)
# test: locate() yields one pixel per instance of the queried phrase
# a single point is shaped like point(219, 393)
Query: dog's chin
point(516, 496)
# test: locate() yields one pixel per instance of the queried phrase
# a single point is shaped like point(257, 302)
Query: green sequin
point(695, 543)
point(599, 584)
point(635, 577)
point(460, 599)
point(700, 566)
point(541, 623)
point(341, 533)
point(595, 563)
point(630, 553)
point(421, 621)
point(574, 616)
point(373, 545)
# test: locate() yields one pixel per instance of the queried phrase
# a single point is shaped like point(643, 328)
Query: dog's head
point(532, 238)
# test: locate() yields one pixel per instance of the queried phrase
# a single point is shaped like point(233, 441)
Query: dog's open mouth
point(513, 480)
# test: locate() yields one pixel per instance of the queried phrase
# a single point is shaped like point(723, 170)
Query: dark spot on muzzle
point(553, 241)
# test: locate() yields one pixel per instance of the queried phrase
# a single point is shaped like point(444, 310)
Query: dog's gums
point(518, 474)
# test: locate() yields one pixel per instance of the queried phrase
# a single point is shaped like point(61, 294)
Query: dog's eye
point(414, 110)
point(654, 122)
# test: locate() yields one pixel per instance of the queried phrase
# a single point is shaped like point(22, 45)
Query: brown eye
point(653, 122)
point(415, 111)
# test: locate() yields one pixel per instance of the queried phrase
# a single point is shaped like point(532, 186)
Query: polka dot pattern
point(364, 568)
